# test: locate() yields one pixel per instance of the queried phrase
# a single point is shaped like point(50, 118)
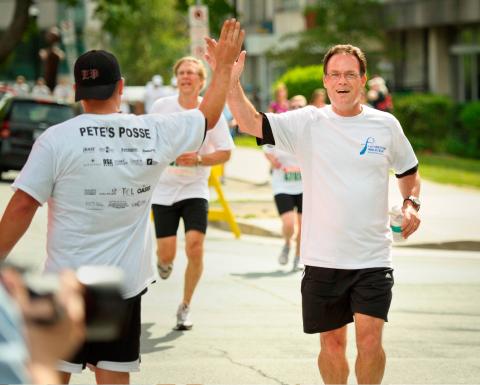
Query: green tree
point(331, 22)
point(147, 36)
point(302, 80)
point(218, 11)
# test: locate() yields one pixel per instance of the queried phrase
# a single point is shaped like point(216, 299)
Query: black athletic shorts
point(330, 297)
point(288, 202)
point(194, 213)
point(125, 349)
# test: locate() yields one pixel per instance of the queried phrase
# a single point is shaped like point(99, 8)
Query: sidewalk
point(450, 215)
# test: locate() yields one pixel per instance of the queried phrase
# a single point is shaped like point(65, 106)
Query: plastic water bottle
point(396, 218)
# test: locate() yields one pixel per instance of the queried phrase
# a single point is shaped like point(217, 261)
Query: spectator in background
point(63, 91)
point(287, 191)
point(319, 97)
point(378, 95)
point(280, 104)
point(20, 86)
point(40, 88)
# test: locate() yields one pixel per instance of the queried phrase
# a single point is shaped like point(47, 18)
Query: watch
point(415, 202)
point(199, 160)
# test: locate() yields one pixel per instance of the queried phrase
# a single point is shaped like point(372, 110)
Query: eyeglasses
point(350, 76)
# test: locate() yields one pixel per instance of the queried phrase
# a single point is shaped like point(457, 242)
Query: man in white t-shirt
point(97, 171)
point(345, 151)
point(182, 191)
point(287, 191)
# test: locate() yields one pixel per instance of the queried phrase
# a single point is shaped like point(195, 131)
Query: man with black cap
point(97, 172)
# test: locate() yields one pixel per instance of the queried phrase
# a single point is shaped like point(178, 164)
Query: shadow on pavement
point(150, 345)
point(454, 245)
point(273, 274)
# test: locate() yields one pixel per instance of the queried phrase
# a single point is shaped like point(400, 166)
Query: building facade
point(436, 46)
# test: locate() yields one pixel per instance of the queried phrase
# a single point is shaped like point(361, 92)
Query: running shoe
point(183, 318)
point(164, 271)
point(283, 257)
point(296, 263)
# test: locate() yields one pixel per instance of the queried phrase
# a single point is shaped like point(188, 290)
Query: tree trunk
point(14, 33)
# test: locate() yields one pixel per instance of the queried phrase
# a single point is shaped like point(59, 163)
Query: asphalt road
point(247, 317)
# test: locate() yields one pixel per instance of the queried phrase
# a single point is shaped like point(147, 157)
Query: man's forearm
point(16, 220)
point(249, 120)
point(217, 157)
point(214, 99)
point(409, 185)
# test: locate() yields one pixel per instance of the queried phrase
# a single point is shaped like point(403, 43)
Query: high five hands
point(227, 48)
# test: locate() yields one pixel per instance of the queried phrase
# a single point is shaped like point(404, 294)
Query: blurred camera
point(104, 305)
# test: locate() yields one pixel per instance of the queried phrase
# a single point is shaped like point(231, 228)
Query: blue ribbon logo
point(370, 140)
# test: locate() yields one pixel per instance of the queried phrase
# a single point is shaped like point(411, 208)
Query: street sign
point(198, 21)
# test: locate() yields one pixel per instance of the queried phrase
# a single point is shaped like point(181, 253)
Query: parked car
point(22, 120)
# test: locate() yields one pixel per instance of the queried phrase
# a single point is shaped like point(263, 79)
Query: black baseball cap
point(96, 75)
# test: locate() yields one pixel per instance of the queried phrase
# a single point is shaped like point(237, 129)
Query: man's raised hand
point(225, 52)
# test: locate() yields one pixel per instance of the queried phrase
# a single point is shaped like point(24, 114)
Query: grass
point(450, 170)
point(446, 169)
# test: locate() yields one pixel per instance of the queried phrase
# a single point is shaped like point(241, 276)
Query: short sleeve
point(288, 128)
point(179, 132)
point(403, 156)
point(37, 177)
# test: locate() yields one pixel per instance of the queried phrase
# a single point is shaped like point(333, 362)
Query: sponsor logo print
point(93, 205)
point(143, 189)
point(108, 162)
point(92, 163)
point(149, 150)
point(113, 191)
point(90, 191)
point(369, 147)
point(151, 162)
point(106, 149)
point(139, 203)
point(129, 149)
point(118, 204)
point(128, 191)
point(121, 162)
point(137, 162)
point(88, 150)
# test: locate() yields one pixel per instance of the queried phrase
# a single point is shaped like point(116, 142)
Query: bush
point(470, 128)
point(302, 80)
point(426, 119)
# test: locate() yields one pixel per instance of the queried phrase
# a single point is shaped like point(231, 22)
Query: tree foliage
point(356, 22)
point(16, 29)
point(147, 36)
point(302, 80)
point(218, 11)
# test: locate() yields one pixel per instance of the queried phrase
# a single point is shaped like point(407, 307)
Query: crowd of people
point(331, 159)
point(62, 92)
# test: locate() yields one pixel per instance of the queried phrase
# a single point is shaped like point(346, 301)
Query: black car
point(22, 120)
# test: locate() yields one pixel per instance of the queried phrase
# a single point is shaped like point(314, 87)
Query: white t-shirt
point(287, 179)
point(345, 162)
point(178, 183)
point(98, 173)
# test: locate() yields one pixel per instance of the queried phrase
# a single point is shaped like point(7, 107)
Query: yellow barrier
point(224, 214)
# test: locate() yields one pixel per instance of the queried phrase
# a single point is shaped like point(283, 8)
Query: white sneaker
point(164, 271)
point(183, 319)
point(296, 263)
point(283, 257)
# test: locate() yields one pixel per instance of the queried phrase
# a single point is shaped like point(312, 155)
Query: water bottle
point(396, 218)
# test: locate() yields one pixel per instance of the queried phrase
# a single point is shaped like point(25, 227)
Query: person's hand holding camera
point(54, 327)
